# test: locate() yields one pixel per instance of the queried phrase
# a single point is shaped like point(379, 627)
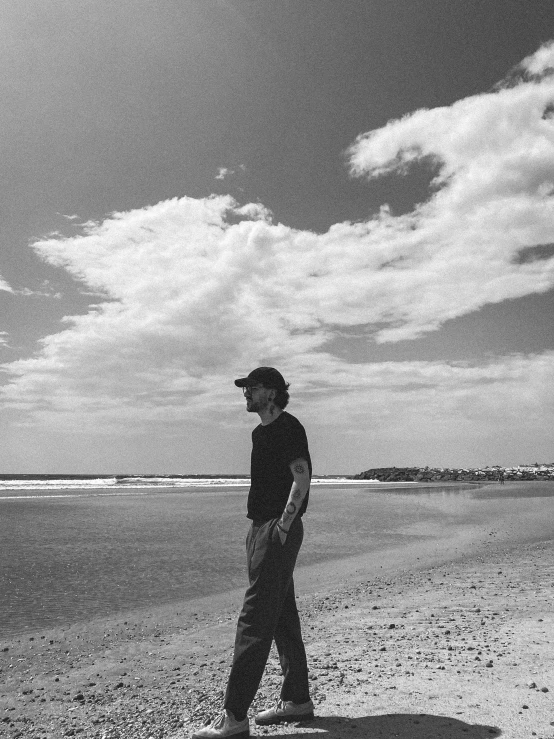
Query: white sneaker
point(223, 726)
point(284, 712)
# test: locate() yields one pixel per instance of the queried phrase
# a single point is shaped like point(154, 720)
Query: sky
point(358, 193)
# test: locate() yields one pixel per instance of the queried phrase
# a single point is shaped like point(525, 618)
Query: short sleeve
point(294, 443)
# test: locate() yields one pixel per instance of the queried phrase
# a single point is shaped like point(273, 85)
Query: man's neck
point(269, 414)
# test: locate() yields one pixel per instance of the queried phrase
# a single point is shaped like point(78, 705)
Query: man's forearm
point(296, 497)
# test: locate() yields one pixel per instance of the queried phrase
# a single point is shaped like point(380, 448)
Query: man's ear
point(272, 393)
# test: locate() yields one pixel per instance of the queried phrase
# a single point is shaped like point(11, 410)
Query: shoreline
point(34, 605)
point(23, 493)
point(159, 672)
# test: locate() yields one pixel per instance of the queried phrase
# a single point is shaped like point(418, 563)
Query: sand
point(445, 638)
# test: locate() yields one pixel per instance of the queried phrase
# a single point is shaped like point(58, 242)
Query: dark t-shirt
point(274, 447)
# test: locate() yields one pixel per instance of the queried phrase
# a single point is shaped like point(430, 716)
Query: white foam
point(48, 487)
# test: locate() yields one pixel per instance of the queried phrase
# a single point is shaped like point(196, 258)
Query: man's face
point(256, 398)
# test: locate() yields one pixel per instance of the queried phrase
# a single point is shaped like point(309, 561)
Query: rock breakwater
point(446, 474)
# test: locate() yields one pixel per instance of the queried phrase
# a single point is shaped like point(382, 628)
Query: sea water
point(69, 554)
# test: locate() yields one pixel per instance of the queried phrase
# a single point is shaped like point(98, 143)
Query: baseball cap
point(267, 376)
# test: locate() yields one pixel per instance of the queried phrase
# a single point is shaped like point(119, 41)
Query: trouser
point(269, 612)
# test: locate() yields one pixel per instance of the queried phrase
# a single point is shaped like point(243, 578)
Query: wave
point(96, 483)
point(45, 484)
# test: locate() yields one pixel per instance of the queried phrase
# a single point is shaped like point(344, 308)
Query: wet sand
point(448, 634)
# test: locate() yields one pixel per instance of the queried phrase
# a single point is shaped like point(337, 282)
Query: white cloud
point(515, 388)
point(494, 155)
point(193, 298)
point(224, 172)
point(541, 62)
point(407, 413)
point(4, 286)
point(45, 291)
point(70, 218)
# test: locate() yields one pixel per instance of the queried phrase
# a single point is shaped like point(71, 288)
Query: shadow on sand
point(398, 725)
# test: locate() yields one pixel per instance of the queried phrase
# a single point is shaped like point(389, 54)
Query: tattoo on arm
point(297, 494)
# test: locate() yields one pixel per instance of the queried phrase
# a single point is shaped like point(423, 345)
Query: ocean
point(73, 550)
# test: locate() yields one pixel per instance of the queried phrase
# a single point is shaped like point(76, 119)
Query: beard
point(252, 406)
point(255, 406)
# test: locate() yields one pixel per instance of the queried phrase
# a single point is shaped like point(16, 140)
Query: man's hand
point(282, 534)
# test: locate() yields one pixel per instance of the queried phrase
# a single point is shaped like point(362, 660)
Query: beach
point(445, 633)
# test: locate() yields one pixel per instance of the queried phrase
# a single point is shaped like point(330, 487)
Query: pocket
point(275, 533)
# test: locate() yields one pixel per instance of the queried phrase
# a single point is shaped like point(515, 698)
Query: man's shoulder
point(287, 419)
point(292, 426)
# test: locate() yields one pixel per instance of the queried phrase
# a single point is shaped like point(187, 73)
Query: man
point(279, 491)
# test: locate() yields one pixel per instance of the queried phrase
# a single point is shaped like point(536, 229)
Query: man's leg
point(292, 654)
point(295, 703)
point(270, 568)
